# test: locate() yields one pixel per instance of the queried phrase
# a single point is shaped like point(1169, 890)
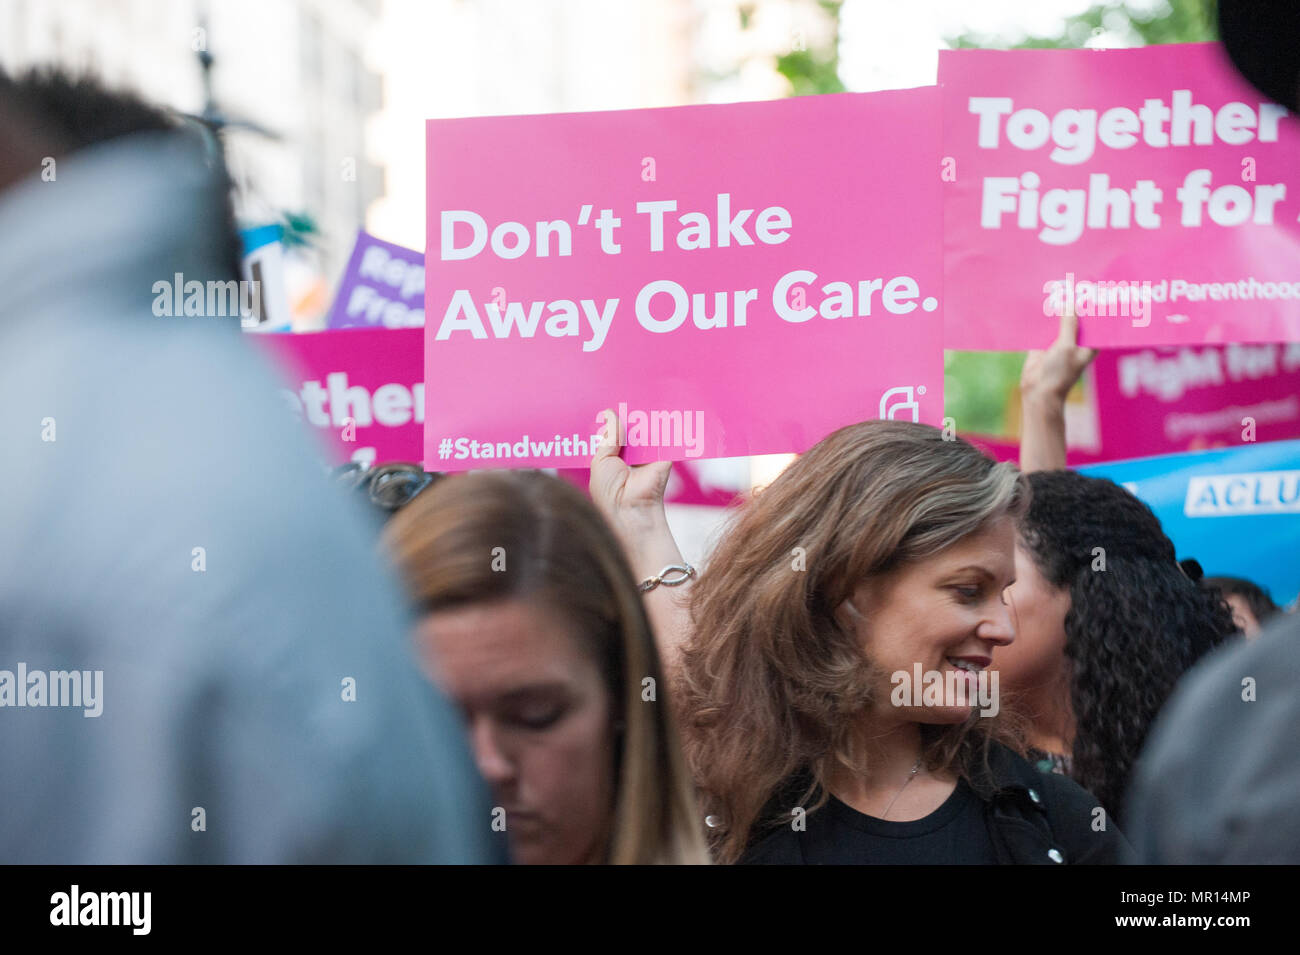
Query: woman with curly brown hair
point(883, 551)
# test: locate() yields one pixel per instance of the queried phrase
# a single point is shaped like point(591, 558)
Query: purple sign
point(382, 287)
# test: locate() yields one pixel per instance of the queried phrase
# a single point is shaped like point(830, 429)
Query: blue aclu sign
point(1236, 510)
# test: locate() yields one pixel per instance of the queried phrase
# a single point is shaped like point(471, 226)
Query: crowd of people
point(400, 666)
point(886, 545)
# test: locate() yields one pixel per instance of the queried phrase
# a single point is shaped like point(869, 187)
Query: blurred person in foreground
point(245, 688)
point(1219, 779)
point(532, 622)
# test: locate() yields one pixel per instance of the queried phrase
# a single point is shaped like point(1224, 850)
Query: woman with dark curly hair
point(1106, 619)
point(1106, 623)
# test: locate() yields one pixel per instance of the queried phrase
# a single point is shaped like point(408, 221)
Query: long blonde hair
point(772, 683)
point(558, 549)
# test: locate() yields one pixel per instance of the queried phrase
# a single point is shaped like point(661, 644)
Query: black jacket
point(1038, 818)
point(1034, 818)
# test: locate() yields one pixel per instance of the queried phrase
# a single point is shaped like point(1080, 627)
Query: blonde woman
point(531, 622)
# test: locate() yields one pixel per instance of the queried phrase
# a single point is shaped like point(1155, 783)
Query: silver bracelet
point(674, 575)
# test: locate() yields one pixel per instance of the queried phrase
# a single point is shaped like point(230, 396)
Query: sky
point(428, 48)
point(888, 44)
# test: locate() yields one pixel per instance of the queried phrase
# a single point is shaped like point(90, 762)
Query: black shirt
point(837, 834)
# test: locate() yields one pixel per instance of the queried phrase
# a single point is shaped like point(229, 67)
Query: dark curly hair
point(1133, 628)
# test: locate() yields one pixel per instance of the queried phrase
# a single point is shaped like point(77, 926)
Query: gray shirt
point(1219, 778)
point(129, 441)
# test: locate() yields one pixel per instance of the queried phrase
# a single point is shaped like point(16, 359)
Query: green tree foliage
point(976, 386)
point(815, 71)
point(1173, 21)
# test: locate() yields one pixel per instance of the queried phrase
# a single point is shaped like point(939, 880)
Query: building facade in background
point(294, 68)
point(344, 86)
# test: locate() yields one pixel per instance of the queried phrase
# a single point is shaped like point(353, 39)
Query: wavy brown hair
point(773, 683)
point(560, 551)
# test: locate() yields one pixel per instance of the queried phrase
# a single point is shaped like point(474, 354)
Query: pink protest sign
point(362, 390)
point(686, 485)
point(731, 280)
point(1169, 400)
point(1152, 189)
point(1002, 448)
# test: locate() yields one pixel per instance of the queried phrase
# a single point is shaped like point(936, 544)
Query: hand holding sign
point(631, 498)
point(632, 501)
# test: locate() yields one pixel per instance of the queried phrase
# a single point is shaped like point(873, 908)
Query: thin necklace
point(910, 776)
